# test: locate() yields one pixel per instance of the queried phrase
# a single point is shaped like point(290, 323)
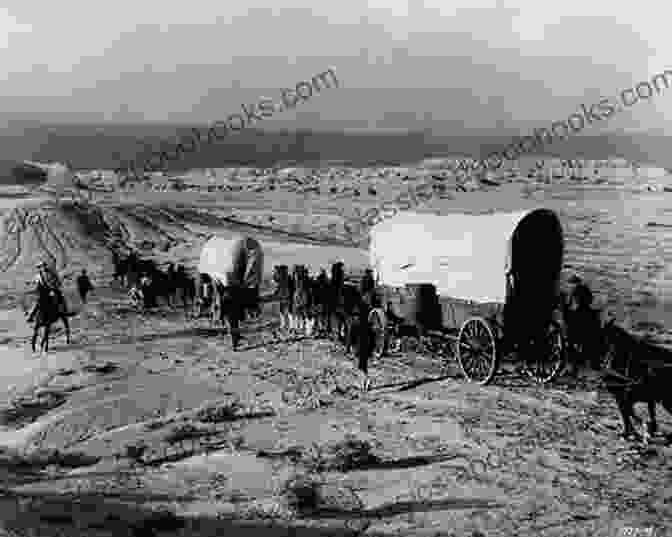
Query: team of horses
point(147, 282)
point(322, 304)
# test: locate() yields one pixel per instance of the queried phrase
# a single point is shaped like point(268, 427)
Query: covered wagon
point(236, 265)
point(233, 261)
point(487, 282)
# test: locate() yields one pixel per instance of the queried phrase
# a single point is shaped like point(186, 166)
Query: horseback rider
point(47, 278)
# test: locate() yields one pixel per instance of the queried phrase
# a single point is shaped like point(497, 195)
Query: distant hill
point(101, 147)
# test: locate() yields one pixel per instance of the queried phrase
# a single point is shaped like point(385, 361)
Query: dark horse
point(636, 371)
point(185, 285)
point(321, 301)
point(342, 303)
point(302, 300)
point(49, 310)
point(160, 284)
point(284, 293)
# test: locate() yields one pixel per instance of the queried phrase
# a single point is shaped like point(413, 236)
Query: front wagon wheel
point(476, 351)
point(544, 362)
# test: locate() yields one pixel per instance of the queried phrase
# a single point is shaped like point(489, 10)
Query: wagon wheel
point(476, 351)
point(544, 362)
point(378, 327)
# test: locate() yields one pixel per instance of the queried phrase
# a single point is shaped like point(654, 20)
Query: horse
point(360, 301)
point(120, 268)
point(207, 301)
point(320, 301)
point(284, 293)
point(252, 309)
point(302, 300)
point(49, 311)
point(636, 371)
point(157, 283)
point(163, 285)
point(334, 298)
point(185, 284)
point(126, 270)
point(342, 302)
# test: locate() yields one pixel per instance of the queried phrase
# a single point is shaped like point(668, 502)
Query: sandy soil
point(153, 424)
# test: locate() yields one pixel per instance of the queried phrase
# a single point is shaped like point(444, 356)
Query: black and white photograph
point(347, 269)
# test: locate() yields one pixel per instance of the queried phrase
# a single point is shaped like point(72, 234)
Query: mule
point(636, 371)
point(49, 310)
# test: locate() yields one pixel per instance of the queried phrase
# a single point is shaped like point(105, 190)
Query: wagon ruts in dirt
point(482, 288)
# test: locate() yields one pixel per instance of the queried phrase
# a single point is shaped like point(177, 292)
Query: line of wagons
point(481, 288)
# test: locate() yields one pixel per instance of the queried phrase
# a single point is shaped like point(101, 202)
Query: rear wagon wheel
point(476, 351)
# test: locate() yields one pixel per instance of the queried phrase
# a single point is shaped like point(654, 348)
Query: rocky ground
point(148, 424)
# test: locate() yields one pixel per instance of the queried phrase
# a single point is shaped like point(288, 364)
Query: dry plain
point(150, 423)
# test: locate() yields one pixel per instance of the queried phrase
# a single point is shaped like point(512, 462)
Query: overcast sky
point(431, 63)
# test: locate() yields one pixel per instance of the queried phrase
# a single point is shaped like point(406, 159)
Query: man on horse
point(47, 278)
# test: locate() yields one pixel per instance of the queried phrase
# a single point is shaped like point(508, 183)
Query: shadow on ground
point(97, 515)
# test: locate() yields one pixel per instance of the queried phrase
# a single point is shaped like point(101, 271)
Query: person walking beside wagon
point(84, 286)
point(583, 324)
point(367, 301)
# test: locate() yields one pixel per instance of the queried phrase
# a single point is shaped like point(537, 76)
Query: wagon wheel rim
point(378, 328)
point(550, 356)
point(477, 351)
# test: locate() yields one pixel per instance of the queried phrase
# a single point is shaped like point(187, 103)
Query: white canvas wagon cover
point(237, 260)
point(465, 255)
